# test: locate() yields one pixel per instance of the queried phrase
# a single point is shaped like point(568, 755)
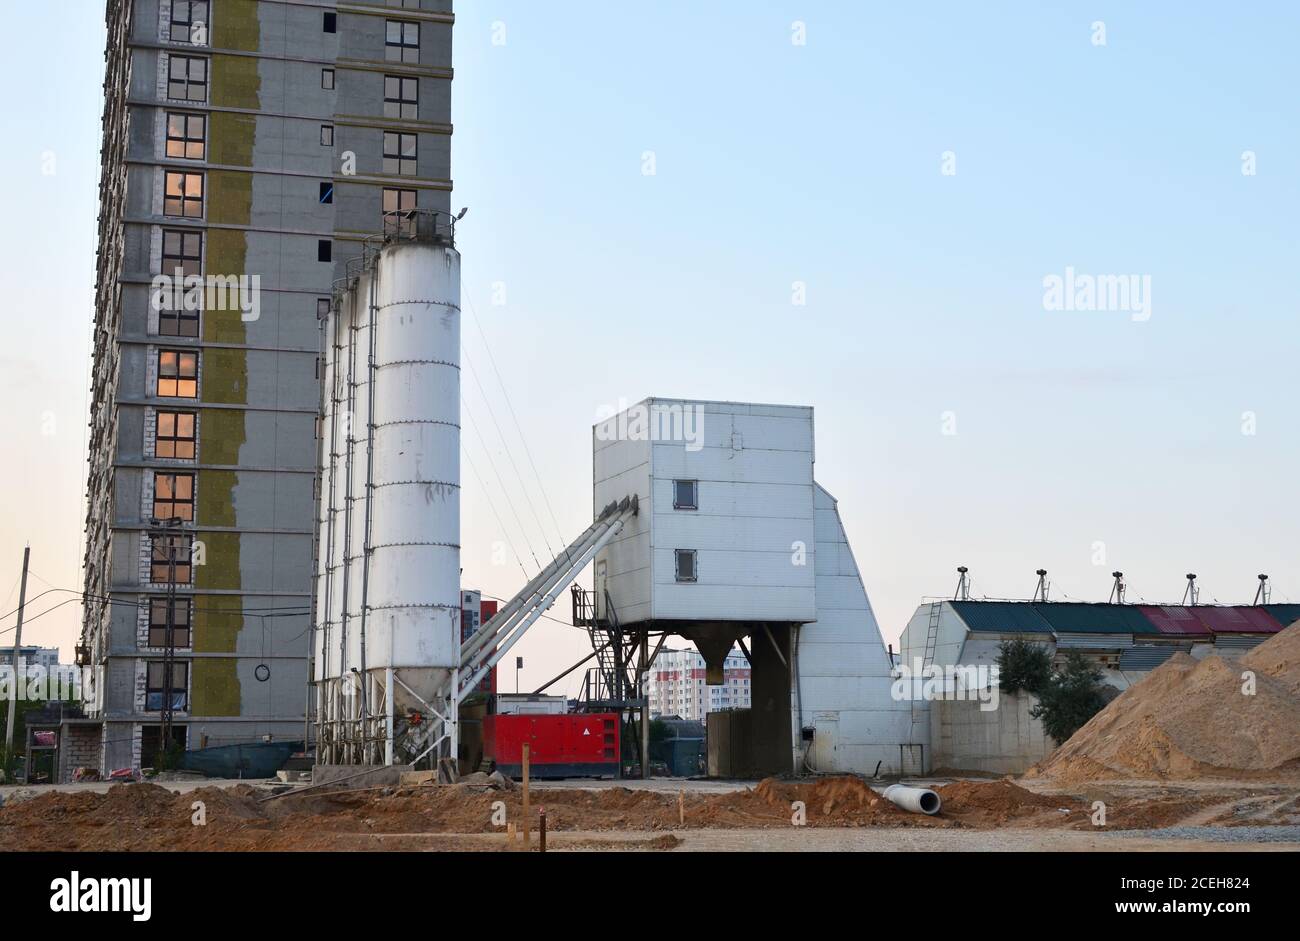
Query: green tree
point(1023, 665)
point(1072, 696)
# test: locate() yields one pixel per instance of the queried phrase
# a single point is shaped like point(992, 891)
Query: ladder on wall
point(931, 645)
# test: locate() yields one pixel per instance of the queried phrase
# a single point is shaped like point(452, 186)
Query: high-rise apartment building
point(678, 686)
point(250, 148)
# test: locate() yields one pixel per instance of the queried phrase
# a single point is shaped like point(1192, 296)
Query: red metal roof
point(1204, 620)
point(1174, 619)
point(1238, 620)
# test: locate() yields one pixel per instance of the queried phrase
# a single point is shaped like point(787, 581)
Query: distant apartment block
point(251, 147)
point(678, 687)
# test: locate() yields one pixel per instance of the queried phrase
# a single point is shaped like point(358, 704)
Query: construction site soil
point(1196, 720)
point(149, 817)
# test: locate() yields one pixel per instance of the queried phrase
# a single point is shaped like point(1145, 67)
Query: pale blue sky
point(820, 163)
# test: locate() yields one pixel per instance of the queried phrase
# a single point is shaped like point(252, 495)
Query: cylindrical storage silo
point(414, 573)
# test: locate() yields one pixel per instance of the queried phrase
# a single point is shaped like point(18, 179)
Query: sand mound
point(1192, 719)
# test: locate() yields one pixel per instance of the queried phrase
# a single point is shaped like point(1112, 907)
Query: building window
point(187, 78)
point(399, 211)
point(189, 22)
point(686, 494)
point(183, 195)
point(158, 622)
point(186, 134)
point(330, 24)
point(182, 253)
point(160, 561)
point(326, 78)
point(177, 321)
point(401, 97)
point(178, 374)
point(173, 496)
point(179, 685)
point(326, 193)
point(402, 43)
point(400, 153)
point(407, 4)
point(174, 437)
point(687, 570)
point(324, 250)
point(327, 135)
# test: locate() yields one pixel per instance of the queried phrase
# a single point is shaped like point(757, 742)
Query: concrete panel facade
point(278, 140)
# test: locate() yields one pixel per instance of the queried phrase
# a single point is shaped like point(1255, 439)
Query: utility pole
point(18, 646)
point(169, 530)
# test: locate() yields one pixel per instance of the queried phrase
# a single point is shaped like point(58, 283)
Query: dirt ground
point(982, 814)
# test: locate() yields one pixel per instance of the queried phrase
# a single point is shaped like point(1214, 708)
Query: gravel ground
point(1284, 834)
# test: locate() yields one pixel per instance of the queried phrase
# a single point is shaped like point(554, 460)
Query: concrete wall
point(1005, 740)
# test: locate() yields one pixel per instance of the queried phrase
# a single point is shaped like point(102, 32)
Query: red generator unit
point(563, 746)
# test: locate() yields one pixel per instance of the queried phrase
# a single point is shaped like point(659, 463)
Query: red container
point(569, 746)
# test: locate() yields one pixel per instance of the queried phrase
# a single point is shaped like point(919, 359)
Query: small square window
point(331, 23)
point(326, 78)
point(686, 494)
point(324, 250)
point(327, 135)
point(687, 570)
point(326, 193)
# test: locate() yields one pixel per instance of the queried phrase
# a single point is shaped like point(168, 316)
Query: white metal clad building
point(751, 467)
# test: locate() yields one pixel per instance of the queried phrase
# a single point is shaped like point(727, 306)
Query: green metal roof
point(1069, 617)
point(1287, 614)
point(1001, 617)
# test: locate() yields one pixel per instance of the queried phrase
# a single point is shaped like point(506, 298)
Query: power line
point(478, 323)
point(523, 487)
point(492, 506)
point(491, 463)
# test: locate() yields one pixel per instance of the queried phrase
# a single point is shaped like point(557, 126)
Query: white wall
point(755, 510)
point(843, 666)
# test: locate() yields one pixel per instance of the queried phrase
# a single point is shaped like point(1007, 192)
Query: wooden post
point(681, 807)
point(541, 829)
point(511, 837)
point(525, 796)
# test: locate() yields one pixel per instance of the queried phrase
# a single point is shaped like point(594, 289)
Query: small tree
point(1023, 665)
point(1072, 696)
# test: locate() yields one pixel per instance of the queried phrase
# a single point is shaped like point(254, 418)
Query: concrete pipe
point(919, 800)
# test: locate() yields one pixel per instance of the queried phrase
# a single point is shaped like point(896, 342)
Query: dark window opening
point(687, 569)
point(686, 494)
point(324, 250)
point(158, 608)
point(327, 193)
point(156, 675)
point(161, 553)
point(331, 23)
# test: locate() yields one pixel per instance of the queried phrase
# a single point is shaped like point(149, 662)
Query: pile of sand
point(1192, 719)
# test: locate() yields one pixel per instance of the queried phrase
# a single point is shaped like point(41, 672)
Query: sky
point(854, 206)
